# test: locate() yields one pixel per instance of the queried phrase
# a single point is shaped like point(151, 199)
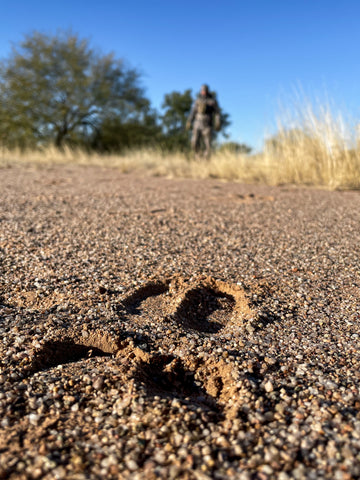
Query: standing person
point(203, 117)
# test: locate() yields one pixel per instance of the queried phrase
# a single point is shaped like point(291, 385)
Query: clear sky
point(254, 53)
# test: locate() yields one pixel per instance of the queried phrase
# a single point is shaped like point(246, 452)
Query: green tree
point(58, 89)
point(234, 147)
point(114, 135)
point(176, 106)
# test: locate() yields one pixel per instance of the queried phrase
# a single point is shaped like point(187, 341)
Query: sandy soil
point(176, 329)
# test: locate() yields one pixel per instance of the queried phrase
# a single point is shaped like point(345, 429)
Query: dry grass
point(223, 165)
point(312, 147)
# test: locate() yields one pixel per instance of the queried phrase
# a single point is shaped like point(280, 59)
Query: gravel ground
point(176, 329)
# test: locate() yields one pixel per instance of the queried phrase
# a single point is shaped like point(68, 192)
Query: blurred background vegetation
point(58, 90)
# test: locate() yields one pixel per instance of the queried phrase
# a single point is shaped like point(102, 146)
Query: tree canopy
point(114, 135)
point(57, 88)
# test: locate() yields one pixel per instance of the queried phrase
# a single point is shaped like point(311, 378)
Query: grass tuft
point(314, 147)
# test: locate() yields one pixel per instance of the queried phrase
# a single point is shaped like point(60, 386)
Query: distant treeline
point(58, 90)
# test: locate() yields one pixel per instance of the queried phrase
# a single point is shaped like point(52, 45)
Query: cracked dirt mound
point(202, 304)
point(220, 382)
point(168, 376)
point(210, 385)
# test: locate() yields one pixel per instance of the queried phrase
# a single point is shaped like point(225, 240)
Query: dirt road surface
point(176, 329)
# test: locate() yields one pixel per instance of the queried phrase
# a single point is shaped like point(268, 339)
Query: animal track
point(167, 376)
point(133, 302)
point(202, 304)
point(59, 352)
point(203, 309)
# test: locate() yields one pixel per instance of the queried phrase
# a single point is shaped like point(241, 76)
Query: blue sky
point(253, 53)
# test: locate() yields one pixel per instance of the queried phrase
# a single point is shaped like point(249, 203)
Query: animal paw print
point(201, 304)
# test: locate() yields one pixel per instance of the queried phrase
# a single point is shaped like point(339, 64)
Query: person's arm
point(217, 116)
point(191, 116)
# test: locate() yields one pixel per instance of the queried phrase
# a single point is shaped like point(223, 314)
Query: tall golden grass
point(312, 147)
